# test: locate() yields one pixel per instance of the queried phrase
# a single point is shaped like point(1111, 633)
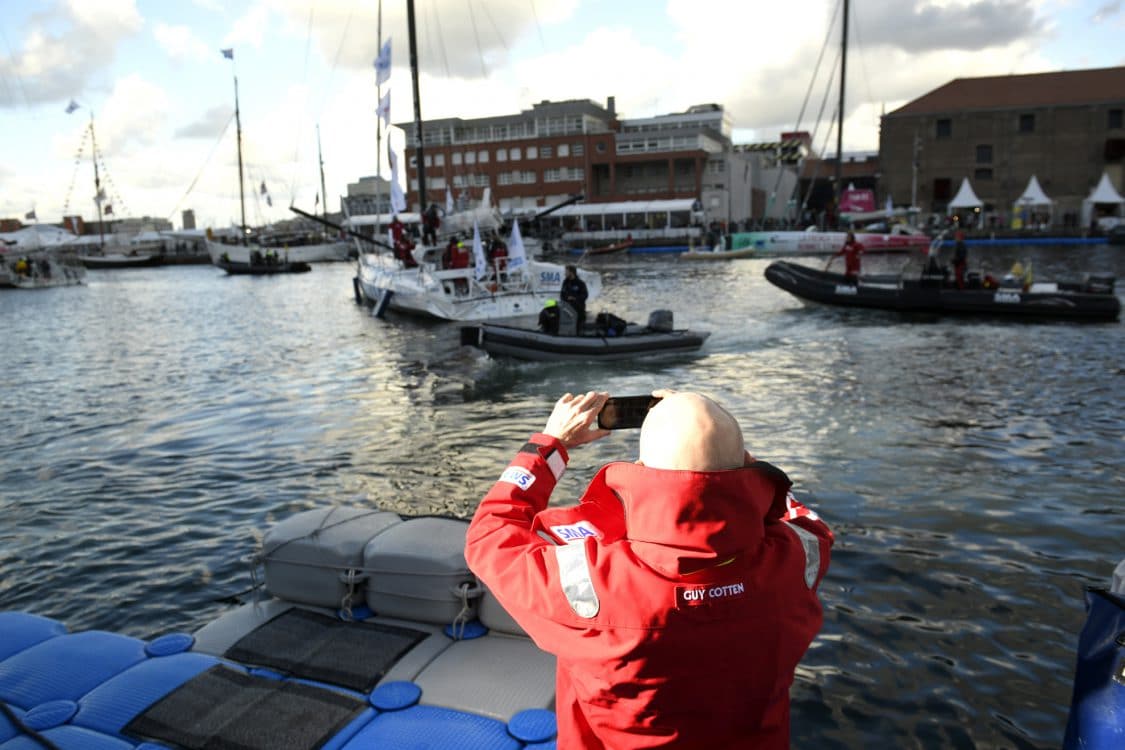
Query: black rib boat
point(1092, 299)
point(630, 341)
point(237, 268)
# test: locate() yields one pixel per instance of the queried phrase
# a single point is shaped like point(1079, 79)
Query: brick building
point(542, 156)
point(1066, 128)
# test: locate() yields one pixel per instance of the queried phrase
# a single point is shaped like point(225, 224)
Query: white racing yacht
point(510, 287)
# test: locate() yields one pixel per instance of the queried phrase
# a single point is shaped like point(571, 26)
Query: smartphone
point(625, 412)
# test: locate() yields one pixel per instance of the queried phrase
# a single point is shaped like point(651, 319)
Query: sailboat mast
point(241, 187)
point(417, 107)
point(97, 182)
point(378, 120)
point(840, 124)
point(320, 158)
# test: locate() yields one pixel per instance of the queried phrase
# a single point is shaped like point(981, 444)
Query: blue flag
point(228, 53)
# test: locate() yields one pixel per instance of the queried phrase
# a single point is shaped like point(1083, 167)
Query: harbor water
point(156, 421)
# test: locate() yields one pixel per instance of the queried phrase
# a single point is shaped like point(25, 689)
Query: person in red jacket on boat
point(680, 593)
point(852, 250)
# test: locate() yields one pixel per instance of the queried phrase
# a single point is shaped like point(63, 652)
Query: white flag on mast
point(384, 109)
point(398, 200)
point(383, 64)
point(478, 253)
point(516, 255)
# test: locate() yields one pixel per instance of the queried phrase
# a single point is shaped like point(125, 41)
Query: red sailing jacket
point(678, 603)
point(851, 252)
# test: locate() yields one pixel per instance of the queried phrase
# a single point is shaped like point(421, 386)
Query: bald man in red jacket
point(678, 596)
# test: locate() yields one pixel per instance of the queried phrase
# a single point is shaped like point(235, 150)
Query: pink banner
point(856, 200)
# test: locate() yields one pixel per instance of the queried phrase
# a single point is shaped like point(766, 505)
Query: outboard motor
point(660, 320)
point(568, 320)
point(1100, 283)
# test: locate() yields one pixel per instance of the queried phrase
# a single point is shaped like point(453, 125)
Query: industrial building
point(1064, 128)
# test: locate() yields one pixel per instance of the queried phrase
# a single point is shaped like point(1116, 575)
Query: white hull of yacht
point(455, 294)
point(324, 252)
point(782, 243)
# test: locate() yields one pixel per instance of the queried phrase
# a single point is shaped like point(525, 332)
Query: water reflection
point(157, 420)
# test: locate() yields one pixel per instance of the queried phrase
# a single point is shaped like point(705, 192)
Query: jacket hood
point(682, 521)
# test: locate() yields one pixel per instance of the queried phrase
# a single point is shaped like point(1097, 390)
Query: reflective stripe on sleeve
point(556, 464)
point(574, 574)
point(811, 545)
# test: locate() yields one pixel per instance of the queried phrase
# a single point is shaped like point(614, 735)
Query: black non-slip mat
point(223, 709)
point(313, 646)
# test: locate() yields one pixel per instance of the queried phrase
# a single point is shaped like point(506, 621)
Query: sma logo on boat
point(1007, 297)
point(846, 289)
point(550, 277)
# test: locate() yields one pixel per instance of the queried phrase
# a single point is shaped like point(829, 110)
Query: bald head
point(691, 432)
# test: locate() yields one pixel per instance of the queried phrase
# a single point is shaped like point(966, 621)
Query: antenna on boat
point(417, 107)
point(840, 127)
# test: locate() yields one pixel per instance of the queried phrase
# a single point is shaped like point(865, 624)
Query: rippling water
point(156, 421)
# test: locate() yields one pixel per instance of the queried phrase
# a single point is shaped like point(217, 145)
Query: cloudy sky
point(161, 94)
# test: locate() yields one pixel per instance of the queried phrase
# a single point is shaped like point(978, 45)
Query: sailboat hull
point(456, 294)
point(781, 243)
point(311, 253)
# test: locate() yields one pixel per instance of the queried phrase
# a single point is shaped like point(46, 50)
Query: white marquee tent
point(1105, 196)
point(965, 198)
point(1032, 197)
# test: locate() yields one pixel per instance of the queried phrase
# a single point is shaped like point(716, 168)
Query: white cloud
point(64, 47)
point(250, 28)
point(181, 43)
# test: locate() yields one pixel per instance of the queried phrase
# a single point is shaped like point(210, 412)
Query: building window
point(601, 147)
point(482, 157)
point(1027, 123)
point(579, 149)
point(439, 160)
point(504, 178)
point(456, 158)
point(943, 128)
point(982, 173)
point(470, 157)
point(545, 152)
point(1114, 120)
point(564, 149)
point(514, 154)
point(413, 162)
point(531, 152)
point(984, 154)
point(501, 154)
point(427, 161)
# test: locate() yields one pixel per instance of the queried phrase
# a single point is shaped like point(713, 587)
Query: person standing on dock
point(852, 250)
point(678, 596)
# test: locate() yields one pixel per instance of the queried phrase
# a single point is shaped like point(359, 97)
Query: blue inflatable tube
point(1097, 707)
